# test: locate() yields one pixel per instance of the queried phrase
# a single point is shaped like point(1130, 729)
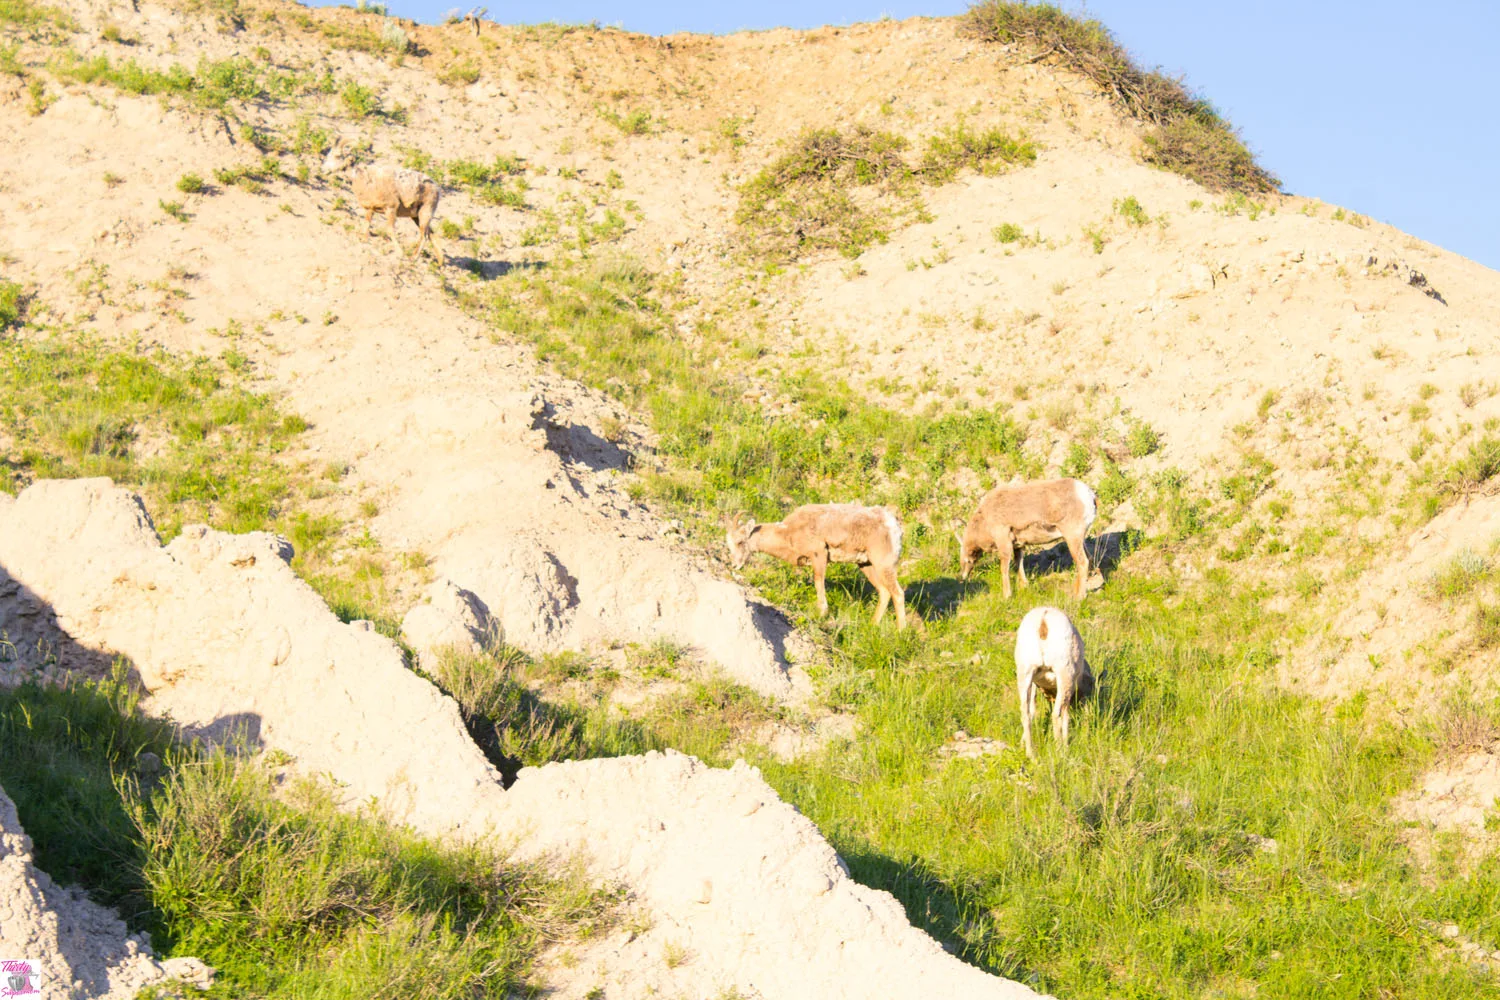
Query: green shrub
point(1142, 439)
point(1008, 232)
point(1481, 463)
point(636, 122)
point(1079, 461)
point(190, 184)
point(12, 304)
point(1132, 210)
point(1184, 132)
point(987, 152)
point(360, 101)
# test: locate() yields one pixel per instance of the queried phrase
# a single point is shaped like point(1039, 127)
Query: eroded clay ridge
point(225, 635)
point(82, 948)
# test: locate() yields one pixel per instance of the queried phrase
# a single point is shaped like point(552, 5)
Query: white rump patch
point(1090, 503)
point(893, 527)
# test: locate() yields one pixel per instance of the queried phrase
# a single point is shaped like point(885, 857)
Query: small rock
point(147, 764)
point(1450, 931)
point(706, 892)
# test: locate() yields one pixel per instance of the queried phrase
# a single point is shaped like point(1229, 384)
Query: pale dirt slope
point(225, 635)
point(448, 430)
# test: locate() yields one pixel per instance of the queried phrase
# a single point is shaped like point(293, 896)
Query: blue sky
point(1378, 105)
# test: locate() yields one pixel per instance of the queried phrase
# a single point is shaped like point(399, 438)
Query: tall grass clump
point(1184, 133)
point(285, 894)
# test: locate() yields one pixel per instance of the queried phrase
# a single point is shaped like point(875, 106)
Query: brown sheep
point(1012, 517)
point(399, 193)
point(819, 534)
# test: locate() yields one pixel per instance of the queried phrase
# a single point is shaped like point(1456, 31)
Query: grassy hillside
point(947, 254)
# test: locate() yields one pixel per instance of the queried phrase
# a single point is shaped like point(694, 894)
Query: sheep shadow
point(489, 270)
point(581, 444)
point(931, 905)
point(1105, 551)
point(941, 598)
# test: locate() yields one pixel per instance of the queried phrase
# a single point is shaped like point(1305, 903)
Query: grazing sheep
point(1011, 517)
point(1049, 656)
point(818, 534)
point(399, 193)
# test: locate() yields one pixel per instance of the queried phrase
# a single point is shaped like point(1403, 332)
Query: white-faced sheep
point(819, 534)
point(1012, 517)
point(1049, 657)
point(396, 191)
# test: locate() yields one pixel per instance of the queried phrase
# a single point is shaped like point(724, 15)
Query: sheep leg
point(893, 587)
point(1081, 560)
point(424, 226)
point(390, 217)
point(1060, 713)
point(819, 568)
point(1006, 550)
point(884, 595)
point(1027, 690)
point(369, 222)
point(1021, 566)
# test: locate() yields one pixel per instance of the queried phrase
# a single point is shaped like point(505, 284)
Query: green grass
point(491, 183)
point(1185, 134)
point(286, 895)
point(1130, 866)
point(633, 122)
point(197, 446)
point(211, 86)
point(600, 322)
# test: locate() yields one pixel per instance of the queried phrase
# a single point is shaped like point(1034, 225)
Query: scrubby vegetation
point(285, 894)
point(1184, 133)
point(802, 202)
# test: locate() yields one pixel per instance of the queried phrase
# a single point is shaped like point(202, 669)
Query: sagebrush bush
point(1184, 133)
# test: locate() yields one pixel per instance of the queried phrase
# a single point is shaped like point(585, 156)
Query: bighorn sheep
point(1049, 656)
point(818, 534)
point(399, 193)
point(1010, 517)
point(473, 16)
